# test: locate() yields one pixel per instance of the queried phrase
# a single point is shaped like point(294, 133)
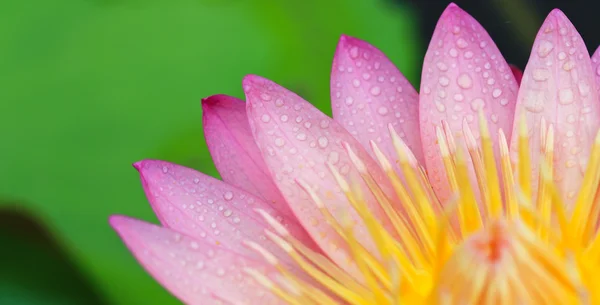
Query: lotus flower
point(476, 191)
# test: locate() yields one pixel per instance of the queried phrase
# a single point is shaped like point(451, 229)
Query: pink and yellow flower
point(475, 191)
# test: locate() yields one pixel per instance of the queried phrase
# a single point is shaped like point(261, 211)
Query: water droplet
point(356, 83)
point(382, 110)
point(366, 76)
point(279, 102)
point(375, 90)
point(354, 52)
point(477, 104)
point(461, 43)
point(444, 81)
point(265, 118)
point(453, 52)
point(584, 88)
point(283, 118)
point(563, 31)
point(541, 74)
point(227, 213)
point(333, 157)
point(349, 100)
point(228, 195)
point(323, 141)
point(533, 103)
point(265, 97)
point(468, 55)
point(562, 55)
point(301, 136)
point(544, 48)
point(324, 124)
point(465, 81)
point(565, 96)
point(442, 66)
point(279, 142)
point(440, 107)
point(568, 65)
point(497, 92)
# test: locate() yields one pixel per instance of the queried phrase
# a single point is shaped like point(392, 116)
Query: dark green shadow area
point(33, 268)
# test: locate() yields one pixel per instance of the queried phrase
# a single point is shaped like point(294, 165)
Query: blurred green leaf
point(34, 268)
point(88, 87)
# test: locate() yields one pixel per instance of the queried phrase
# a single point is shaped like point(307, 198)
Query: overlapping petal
point(205, 208)
point(297, 141)
point(234, 152)
point(596, 67)
point(368, 93)
point(463, 72)
point(558, 86)
point(198, 272)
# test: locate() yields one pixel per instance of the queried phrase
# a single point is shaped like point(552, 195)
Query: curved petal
point(205, 208)
point(596, 67)
point(517, 72)
point(462, 72)
point(195, 271)
point(297, 141)
point(233, 149)
point(368, 93)
point(558, 85)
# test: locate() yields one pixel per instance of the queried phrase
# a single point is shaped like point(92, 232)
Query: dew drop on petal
point(376, 90)
point(228, 195)
point(544, 48)
point(323, 141)
point(279, 142)
point(565, 96)
point(349, 100)
point(465, 81)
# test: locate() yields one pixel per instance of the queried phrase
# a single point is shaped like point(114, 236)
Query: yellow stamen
point(495, 241)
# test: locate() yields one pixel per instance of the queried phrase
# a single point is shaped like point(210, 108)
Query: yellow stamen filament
point(496, 241)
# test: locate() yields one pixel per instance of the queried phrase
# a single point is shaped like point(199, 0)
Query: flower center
point(494, 242)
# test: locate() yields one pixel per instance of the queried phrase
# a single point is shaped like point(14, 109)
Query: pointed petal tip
point(118, 222)
point(347, 40)
point(138, 165)
point(557, 13)
point(209, 101)
point(251, 79)
point(452, 8)
point(350, 47)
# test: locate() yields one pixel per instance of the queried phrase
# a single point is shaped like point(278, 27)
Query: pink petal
point(517, 73)
point(368, 93)
point(596, 67)
point(233, 149)
point(559, 86)
point(462, 72)
point(297, 141)
point(205, 208)
point(194, 270)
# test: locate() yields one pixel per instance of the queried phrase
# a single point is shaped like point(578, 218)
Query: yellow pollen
point(496, 241)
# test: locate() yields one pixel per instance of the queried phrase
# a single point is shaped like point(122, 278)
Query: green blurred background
point(88, 87)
